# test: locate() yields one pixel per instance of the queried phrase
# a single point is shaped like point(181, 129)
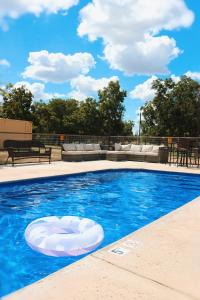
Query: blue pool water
point(121, 201)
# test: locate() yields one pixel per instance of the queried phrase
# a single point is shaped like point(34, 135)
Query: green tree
point(111, 108)
point(1, 110)
point(71, 123)
point(88, 116)
point(41, 117)
point(174, 111)
point(57, 116)
point(57, 111)
point(70, 116)
point(128, 128)
point(17, 103)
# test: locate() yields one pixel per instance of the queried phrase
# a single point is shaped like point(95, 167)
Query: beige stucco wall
point(14, 130)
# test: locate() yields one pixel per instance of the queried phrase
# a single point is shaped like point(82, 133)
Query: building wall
point(14, 130)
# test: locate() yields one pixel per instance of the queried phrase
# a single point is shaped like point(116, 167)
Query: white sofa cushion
point(69, 147)
point(155, 149)
point(80, 147)
point(126, 147)
point(96, 147)
point(136, 148)
point(118, 146)
point(88, 147)
point(147, 148)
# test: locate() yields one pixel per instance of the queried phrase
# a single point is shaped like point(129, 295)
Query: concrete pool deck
point(28, 171)
point(160, 261)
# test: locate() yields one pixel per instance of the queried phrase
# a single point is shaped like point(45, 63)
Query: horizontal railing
point(107, 142)
point(58, 139)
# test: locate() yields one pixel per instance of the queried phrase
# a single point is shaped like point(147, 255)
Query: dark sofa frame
point(23, 149)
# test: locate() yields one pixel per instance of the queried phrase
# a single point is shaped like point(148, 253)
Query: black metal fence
point(106, 142)
point(58, 139)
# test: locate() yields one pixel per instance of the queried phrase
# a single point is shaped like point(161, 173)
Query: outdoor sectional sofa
point(82, 152)
point(145, 153)
point(129, 152)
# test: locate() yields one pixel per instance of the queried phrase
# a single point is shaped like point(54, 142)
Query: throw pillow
point(126, 147)
point(69, 147)
point(117, 147)
point(147, 148)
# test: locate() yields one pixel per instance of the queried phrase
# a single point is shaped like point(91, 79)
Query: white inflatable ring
point(64, 236)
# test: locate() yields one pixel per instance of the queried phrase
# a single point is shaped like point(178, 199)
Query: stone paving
point(27, 171)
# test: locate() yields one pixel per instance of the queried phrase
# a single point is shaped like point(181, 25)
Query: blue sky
point(65, 48)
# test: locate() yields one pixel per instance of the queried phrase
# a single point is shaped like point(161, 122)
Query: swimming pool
point(121, 201)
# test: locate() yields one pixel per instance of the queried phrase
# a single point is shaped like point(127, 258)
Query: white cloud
point(4, 62)
point(16, 8)
point(38, 90)
point(1, 97)
point(175, 78)
point(130, 32)
point(193, 75)
point(87, 86)
point(57, 67)
point(144, 91)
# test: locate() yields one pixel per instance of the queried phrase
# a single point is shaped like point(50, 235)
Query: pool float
point(64, 236)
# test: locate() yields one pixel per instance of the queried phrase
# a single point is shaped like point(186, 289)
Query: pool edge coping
point(10, 296)
point(97, 171)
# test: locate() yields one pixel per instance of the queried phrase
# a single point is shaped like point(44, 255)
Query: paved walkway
point(161, 261)
point(60, 168)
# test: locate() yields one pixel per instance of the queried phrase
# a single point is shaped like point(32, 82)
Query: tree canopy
point(111, 108)
point(175, 109)
point(93, 117)
point(17, 103)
